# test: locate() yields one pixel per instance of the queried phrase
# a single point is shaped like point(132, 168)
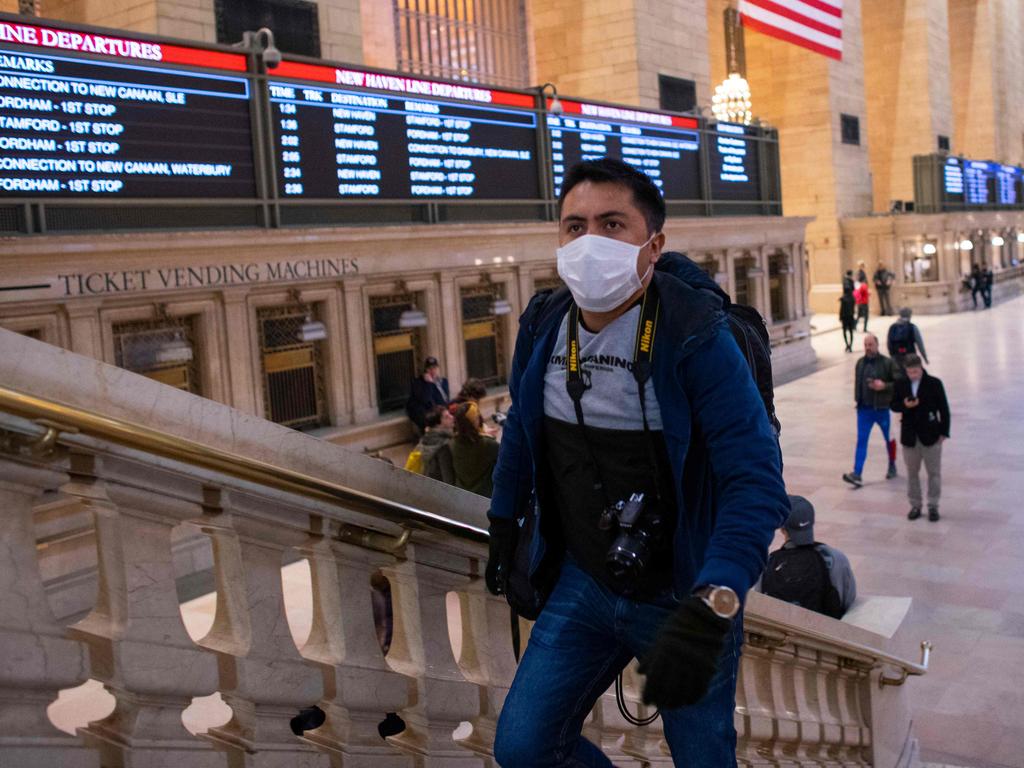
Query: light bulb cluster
point(731, 101)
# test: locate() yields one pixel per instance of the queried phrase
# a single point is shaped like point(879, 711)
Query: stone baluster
point(811, 748)
point(849, 681)
point(646, 743)
point(262, 676)
point(137, 642)
point(359, 687)
point(755, 714)
point(421, 649)
point(487, 659)
point(38, 660)
point(787, 725)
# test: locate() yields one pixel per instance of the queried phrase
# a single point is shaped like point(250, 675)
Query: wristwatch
point(722, 601)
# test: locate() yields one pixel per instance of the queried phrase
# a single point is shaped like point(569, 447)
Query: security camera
point(271, 57)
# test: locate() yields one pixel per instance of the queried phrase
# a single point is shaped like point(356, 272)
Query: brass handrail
point(139, 437)
point(53, 417)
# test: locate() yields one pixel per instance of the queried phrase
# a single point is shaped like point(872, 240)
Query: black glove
point(684, 657)
point(504, 534)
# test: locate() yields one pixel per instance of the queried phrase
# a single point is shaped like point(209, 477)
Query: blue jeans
point(583, 638)
point(866, 419)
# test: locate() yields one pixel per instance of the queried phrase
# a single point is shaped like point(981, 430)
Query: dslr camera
point(630, 553)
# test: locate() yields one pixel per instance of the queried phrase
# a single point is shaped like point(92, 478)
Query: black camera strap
point(576, 385)
point(643, 354)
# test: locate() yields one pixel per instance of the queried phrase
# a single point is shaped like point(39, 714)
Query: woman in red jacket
point(860, 298)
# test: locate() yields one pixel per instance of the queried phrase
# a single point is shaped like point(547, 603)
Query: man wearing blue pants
point(872, 389)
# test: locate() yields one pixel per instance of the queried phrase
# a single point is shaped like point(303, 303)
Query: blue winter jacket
point(723, 451)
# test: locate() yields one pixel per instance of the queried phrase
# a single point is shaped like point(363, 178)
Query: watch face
point(724, 602)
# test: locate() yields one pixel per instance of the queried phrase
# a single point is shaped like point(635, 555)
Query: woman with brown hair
point(474, 453)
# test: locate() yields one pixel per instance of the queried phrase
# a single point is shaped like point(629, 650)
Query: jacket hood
point(681, 266)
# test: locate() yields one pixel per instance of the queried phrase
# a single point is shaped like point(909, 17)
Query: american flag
point(813, 24)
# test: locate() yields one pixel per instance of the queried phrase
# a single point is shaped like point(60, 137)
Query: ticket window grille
point(918, 266)
point(152, 348)
point(397, 351)
point(742, 283)
point(483, 335)
point(480, 41)
point(294, 389)
point(778, 268)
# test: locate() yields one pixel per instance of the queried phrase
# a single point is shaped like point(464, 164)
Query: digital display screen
point(735, 173)
point(976, 182)
point(665, 147)
point(953, 179)
point(1007, 177)
point(349, 142)
point(71, 126)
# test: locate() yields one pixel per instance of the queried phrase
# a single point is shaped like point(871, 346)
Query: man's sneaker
point(853, 479)
point(933, 514)
point(914, 513)
point(892, 471)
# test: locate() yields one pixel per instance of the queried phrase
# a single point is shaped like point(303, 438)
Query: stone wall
point(907, 81)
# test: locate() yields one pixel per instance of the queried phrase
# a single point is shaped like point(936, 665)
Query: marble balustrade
point(809, 691)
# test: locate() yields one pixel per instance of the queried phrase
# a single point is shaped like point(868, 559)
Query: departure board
point(73, 125)
point(665, 147)
point(735, 173)
point(1007, 183)
point(977, 174)
point(389, 137)
point(953, 181)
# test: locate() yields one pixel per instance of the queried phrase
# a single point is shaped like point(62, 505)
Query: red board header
point(88, 42)
point(625, 114)
point(395, 83)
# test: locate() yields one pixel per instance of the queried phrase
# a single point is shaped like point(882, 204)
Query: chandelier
point(731, 101)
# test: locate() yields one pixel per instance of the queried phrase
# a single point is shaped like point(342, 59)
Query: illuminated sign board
point(1007, 183)
point(665, 147)
point(73, 125)
point(735, 174)
point(369, 135)
point(976, 182)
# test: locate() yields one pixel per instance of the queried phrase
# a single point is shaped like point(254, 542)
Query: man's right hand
point(910, 402)
point(504, 534)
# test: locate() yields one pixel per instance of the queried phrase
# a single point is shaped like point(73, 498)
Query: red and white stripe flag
point(813, 24)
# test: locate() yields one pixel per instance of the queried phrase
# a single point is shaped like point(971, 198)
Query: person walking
point(427, 390)
point(474, 452)
point(637, 488)
point(806, 572)
point(883, 280)
point(924, 427)
point(975, 282)
point(904, 338)
point(861, 297)
point(872, 389)
point(847, 318)
point(987, 279)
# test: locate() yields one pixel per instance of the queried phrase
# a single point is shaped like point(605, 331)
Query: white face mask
point(601, 272)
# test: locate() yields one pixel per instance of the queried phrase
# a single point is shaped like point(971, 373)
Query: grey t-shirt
point(613, 401)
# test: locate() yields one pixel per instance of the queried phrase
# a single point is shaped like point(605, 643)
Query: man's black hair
point(646, 195)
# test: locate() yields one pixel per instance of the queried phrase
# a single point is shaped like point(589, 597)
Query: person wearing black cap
point(805, 572)
point(427, 390)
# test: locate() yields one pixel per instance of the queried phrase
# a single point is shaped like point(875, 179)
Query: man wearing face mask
point(637, 488)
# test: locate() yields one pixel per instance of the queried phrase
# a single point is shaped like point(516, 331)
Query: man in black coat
point(925, 427)
point(428, 390)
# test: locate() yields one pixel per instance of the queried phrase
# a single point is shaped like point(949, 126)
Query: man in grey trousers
point(921, 399)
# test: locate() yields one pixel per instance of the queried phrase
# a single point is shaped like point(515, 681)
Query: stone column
point(262, 676)
point(454, 355)
point(84, 327)
point(37, 660)
point(241, 367)
point(360, 357)
point(137, 641)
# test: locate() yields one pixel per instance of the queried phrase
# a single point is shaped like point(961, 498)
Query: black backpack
point(800, 576)
point(751, 334)
point(901, 339)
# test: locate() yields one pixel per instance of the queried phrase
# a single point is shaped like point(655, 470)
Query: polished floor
point(965, 573)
